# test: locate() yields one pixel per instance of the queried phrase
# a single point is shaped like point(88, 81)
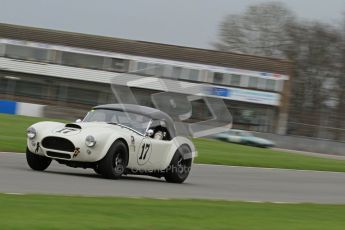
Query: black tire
point(37, 162)
point(179, 168)
point(113, 165)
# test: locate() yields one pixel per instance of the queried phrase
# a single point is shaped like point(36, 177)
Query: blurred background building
point(70, 72)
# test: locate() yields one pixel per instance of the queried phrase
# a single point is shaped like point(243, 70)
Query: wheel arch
point(178, 170)
point(124, 141)
point(112, 144)
point(177, 143)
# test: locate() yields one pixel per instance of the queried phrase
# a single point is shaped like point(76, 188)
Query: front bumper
point(79, 152)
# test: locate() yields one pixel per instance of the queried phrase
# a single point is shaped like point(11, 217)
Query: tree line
point(317, 51)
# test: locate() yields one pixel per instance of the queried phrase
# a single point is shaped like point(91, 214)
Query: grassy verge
point(13, 139)
point(61, 212)
point(216, 152)
point(13, 131)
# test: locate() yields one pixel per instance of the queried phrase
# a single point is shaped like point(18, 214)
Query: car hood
point(87, 127)
point(47, 128)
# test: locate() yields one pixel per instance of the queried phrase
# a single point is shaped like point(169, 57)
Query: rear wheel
point(37, 162)
point(180, 166)
point(113, 165)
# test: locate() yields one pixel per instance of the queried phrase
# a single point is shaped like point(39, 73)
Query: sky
point(193, 23)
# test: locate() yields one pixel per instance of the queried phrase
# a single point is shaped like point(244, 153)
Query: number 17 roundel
point(144, 151)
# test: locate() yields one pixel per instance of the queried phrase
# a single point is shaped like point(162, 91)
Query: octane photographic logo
point(175, 100)
point(171, 168)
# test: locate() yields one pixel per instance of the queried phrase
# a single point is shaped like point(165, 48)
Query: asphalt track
point(205, 182)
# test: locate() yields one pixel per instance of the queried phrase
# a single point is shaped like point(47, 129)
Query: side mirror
point(78, 120)
point(149, 133)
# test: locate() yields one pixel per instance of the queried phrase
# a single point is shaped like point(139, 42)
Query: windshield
point(132, 120)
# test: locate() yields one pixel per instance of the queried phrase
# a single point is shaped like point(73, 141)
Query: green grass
point(13, 139)
point(64, 212)
point(13, 131)
point(216, 152)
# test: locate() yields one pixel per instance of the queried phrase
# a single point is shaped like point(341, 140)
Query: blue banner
point(221, 92)
point(8, 107)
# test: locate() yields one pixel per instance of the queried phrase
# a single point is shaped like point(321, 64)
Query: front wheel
point(113, 165)
point(180, 166)
point(37, 162)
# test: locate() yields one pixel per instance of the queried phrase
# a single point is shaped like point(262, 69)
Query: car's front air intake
point(58, 143)
point(58, 155)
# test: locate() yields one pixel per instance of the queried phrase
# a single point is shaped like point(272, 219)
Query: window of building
point(32, 89)
point(253, 82)
point(279, 85)
point(26, 53)
point(150, 69)
point(235, 80)
point(193, 75)
point(184, 74)
point(176, 72)
point(141, 67)
point(111, 98)
point(119, 65)
point(159, 70)
point(82, 60)
point(218, 78)
point(262, 83)
point(3, 85)
point(200, 111)
point(270, 84)
point(83, 96)
point(190, 74)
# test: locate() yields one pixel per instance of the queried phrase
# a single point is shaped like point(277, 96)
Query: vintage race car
point(114, 139)
point(244, 137)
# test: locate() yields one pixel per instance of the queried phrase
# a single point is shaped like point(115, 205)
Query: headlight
point(31, 133)
point(90, 141)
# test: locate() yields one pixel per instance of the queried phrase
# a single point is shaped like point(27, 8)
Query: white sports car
point(114, 139)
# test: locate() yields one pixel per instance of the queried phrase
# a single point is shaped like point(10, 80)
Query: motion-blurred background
point(280, 75)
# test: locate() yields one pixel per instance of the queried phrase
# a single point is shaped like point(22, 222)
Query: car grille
point(58, 155)
point(58, 143)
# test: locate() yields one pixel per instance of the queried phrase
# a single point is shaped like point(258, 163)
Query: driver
point(158, 135)
point(160, 132)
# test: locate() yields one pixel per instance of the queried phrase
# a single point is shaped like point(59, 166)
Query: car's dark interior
point(160, 132)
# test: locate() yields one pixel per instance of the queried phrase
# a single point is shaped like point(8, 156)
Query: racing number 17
point(144, 149)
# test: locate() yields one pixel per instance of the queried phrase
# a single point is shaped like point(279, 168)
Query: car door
point(152, 153)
